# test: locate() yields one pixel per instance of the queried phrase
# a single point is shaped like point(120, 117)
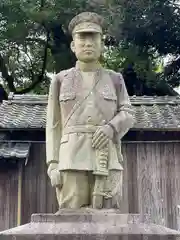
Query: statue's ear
point(72, 47)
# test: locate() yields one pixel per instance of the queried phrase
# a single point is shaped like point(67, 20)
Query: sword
point(101, 174)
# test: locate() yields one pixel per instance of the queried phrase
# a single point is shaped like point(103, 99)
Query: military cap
point(86, 22)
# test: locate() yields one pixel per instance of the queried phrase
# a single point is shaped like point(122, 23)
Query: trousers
point(78, 187)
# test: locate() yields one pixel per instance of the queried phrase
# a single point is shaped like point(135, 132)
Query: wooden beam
point(19, 209)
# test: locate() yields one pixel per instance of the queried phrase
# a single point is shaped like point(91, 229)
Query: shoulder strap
point(79, 103)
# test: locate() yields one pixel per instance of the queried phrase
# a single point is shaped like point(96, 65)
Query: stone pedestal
point(87, 224)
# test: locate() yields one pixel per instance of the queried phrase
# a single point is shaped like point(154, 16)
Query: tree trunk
point(61, 52)
point(63, 59)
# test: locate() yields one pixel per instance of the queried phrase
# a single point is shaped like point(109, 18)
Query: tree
point(3, 94)
point(142, 71)
point(154, 27)
point(34, 41)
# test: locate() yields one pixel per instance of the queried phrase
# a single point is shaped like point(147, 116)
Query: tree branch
point(38, 40)
point(40, 77)
point(42, 5)
point(59, 36)
point(31, 69)
point(8, 78)
point(173, 67)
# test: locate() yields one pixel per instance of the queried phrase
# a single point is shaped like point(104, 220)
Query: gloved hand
point(102, 136)
point(54, 175)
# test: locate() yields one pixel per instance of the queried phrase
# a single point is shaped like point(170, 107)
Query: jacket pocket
point(108, 105)
point(108, 93)
point(67, 96)
point(109, 97)
point(65, 138)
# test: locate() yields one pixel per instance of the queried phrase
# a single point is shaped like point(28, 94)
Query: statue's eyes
point(84, 36)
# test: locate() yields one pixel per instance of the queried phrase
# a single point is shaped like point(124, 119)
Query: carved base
point(87, 224)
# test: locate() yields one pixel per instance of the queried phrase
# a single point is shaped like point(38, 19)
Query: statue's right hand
point(55, 175)
point(56, 178)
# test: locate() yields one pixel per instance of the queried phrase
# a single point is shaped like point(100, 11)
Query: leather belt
point(80, 129)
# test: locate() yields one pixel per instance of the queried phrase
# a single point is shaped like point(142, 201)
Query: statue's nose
point(88, 42)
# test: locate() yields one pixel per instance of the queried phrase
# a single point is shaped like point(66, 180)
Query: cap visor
point(88, 30)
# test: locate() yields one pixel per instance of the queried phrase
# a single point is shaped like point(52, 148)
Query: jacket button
point(89, 119)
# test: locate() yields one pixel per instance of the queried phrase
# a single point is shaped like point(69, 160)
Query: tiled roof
point(29, 111)
point(9, 149)
point(16, 150)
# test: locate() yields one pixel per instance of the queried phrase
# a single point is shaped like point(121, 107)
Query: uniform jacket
point(73, 116)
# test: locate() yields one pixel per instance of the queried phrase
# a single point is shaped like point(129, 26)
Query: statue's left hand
point(101, 137)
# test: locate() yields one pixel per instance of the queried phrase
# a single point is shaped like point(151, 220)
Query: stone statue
point(88, 113)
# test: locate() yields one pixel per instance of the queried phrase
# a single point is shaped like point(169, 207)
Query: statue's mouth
point(88, 50)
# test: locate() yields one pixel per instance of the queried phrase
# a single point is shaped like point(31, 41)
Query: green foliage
point(146, 65)
point(34, 41)
point(149, 30)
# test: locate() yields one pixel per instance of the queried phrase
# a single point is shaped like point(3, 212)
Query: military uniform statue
point(88, 113)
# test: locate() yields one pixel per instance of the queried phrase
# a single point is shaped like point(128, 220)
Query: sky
point(177, 89)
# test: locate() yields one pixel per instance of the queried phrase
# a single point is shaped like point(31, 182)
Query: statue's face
point(87, 46)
